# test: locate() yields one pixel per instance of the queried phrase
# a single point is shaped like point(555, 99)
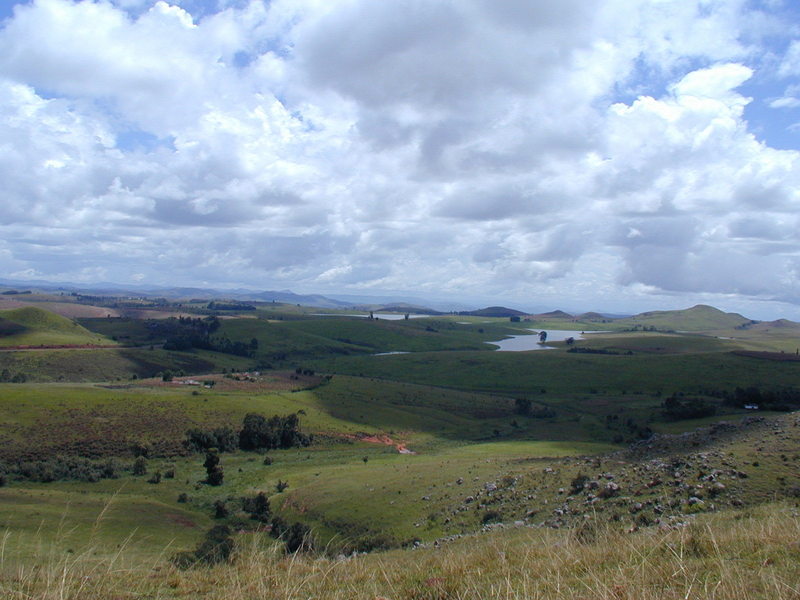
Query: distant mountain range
point(365, 302)
point(696, 318)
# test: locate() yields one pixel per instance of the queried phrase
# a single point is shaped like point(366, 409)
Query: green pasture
point(42, 420)
point(110, 364)
point(32, 326)
point(512, 373)
point(309, 338)
point(654, 343)
point(51, 521)
point(413, 335)
point(127, 331)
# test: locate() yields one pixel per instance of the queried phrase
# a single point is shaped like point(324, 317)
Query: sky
point(622, 156)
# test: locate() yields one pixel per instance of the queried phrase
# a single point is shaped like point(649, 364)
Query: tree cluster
point(676, 408)
point(229, 306)
point(223, 439)
point(7, 376)
point(784, 399)
point(257, 433)
point(276, 432)
point(63, 468)
point(185, 333)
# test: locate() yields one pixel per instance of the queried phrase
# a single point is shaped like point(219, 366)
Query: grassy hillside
point(738, 555)
point(697, 318)
point(414, 335)
point(111, 364)
point(302, 339)
point(565, 373)
point(516, 474)
point(32, 326)
point(353, 486)
point(657, 343)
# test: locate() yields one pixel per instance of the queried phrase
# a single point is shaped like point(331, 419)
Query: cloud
point(521, 150)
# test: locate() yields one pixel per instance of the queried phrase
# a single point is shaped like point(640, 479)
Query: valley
point(412, 436)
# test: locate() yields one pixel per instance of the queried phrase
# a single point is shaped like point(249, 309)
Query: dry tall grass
point(729, 556)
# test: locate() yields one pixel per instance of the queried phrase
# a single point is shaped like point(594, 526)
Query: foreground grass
point(742, 555)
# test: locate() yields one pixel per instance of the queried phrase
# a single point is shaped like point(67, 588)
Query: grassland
point(112, 364)
point(695, 319)
point(470, 459)
point(32, 326)
point(555, 372)
point(739, 555)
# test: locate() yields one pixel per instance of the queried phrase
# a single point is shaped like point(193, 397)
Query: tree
point(140, 466)
point(522, 406)
point(214, 473)
point(217, 546)
point(220, 509)
point(258, 507)
point(542, 337)
point(298, 538)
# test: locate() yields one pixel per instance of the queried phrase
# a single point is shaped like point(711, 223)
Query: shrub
point(522, 406)
point(214, 473)
point(140, 466)
point(220, 509)
point(278, 526)
point(216, 547)
point(258, 507)
point(298, 538)
point(576, 485)
point(155, 478)
point(491, 516)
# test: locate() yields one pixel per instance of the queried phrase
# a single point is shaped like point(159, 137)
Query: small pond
point(523, 343)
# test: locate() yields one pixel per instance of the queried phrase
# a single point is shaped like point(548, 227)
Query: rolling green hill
point(478, 456)
point(565, 373)
point(697, 318)
point(32, 326)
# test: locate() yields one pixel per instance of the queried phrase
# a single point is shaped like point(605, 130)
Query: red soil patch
point(182, 520)
point(381, 439)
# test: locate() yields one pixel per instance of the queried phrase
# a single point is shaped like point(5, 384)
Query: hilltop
point(493, 311)
point(32, 326)
point(696, 318)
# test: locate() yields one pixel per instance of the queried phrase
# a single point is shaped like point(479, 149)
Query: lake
point(383, 316)
point(524, 343)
